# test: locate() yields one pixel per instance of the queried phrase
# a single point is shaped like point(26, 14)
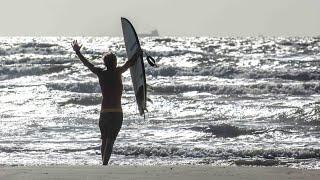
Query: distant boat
point(153, 33)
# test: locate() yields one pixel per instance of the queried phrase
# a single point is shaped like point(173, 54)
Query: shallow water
point(217, 101)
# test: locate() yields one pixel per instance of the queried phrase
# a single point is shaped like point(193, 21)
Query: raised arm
point(131, 61)
point(76, 47)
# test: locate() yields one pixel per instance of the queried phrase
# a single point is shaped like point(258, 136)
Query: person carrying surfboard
point(110, 81)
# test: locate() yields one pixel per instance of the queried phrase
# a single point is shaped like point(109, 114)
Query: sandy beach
point(152, 172)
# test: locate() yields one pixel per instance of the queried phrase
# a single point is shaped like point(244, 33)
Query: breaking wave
point(260, 88)
point(8, 72)
point(233, 73)
point(81, 87)
point(220, 153)
point(302, 116)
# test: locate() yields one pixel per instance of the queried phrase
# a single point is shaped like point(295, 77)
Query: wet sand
point(153, 172)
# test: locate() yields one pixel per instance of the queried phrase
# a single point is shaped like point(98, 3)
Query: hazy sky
point(170, 17)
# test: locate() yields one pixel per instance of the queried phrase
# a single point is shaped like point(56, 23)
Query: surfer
point(110, 81)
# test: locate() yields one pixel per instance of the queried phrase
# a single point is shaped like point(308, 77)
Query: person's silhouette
point(110, 81)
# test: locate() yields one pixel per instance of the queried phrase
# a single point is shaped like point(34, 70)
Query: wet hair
point(110, 60)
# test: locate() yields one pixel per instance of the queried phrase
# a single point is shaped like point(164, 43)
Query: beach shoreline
point(154, 172)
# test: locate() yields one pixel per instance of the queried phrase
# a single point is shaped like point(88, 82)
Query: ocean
point(221, 101)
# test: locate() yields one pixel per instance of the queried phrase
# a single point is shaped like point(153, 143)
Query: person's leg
point(102, 149)
point(103, 130)
point(107, 150)
point(112, 129)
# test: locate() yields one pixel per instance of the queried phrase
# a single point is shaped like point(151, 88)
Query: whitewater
point(219, 101)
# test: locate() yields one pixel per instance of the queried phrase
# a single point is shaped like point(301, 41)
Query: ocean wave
point(302, 116)
point(225, 130)
point(215, 71)
point(38, 48)
point(293, 75)
point(232, 72)
point(81, 87)
point(72, 150)
point(299, 42)
point(171, 151)
point(82, 100)
point(25, 150)
point(10, 72)
point(251, 45)
point(164, 40)
point(37, 61)
point(230, 89)
point(18, 150)
point(37, 45)
point(41, 48)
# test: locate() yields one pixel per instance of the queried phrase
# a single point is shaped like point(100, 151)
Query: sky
point(169, 17)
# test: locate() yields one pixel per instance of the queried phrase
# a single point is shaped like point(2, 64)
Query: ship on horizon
point(153, 33)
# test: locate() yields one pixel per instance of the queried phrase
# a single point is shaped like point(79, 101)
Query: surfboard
point(137, 71)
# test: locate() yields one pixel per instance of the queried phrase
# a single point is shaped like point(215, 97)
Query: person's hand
point(139, 53)
point(76, 47)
